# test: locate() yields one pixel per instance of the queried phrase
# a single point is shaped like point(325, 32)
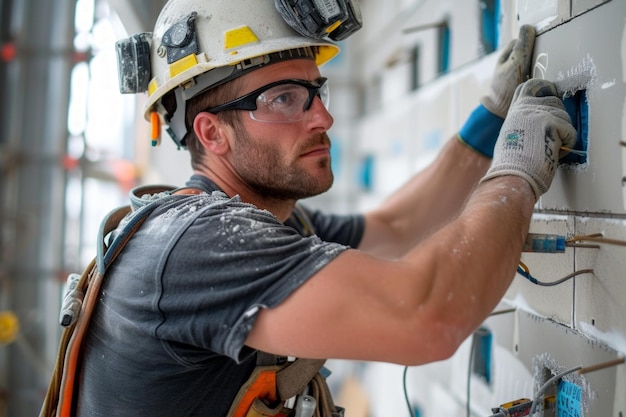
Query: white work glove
point(481, 129)
point(512, 68)
point(529, 144)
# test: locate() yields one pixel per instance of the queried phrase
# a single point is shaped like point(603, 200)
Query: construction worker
point(230, 265)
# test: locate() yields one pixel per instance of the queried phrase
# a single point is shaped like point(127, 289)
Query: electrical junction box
point(582, 57)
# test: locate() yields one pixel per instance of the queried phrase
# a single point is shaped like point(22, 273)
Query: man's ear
point(210, 132)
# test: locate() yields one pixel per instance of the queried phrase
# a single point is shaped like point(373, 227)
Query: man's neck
point(280, 208)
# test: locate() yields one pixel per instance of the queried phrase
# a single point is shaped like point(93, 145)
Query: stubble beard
point(262, 169)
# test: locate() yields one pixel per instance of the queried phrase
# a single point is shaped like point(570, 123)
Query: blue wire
point(527, 275)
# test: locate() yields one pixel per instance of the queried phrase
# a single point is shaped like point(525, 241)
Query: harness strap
point(260, 386)
point(292, 379)
point(59, 400)
point(325, 405)
point(90, 285)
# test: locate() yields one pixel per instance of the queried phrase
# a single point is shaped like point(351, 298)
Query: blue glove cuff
point(480, 131)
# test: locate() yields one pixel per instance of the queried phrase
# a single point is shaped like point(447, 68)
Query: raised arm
point(437, 194)
point(420, 307)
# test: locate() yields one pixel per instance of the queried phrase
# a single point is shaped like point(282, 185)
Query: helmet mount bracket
point(180, 39)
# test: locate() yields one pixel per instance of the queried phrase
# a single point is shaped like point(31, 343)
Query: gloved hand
point(529, 144)
point(512, 68)
point(480, 132)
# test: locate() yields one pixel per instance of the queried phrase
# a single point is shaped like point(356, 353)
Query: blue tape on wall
point(482, 353)
point(444, 48)
point(577, 107)
point(490, 17)
point(336, 157)
point(365, 175)
point(568, 400)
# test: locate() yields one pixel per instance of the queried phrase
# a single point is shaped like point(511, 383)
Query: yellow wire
point(574, 151)
point(524, 267)
point(596, 237)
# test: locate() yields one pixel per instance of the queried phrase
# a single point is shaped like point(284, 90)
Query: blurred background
point(72, 147)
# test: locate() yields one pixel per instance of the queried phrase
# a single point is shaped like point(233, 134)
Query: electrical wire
point(580, 370)
point(469, 376)
point(574, 151)
point(596, 237)
point(549, 382)
point(523, 270)
point(471, 355)
point(505, 311)
point(573, 242)
point(582, 245)
point(406, 394)
point(469, 371)
point(597, 367)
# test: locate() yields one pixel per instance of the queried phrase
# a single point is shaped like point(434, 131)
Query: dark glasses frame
point(248, 101)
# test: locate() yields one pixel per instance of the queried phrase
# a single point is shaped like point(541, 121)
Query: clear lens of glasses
point(287, 102)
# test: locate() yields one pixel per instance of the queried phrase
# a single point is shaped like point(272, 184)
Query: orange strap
point(261, 385)
point(74, 347)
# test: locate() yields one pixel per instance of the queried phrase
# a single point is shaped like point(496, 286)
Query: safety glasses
point(283, 101)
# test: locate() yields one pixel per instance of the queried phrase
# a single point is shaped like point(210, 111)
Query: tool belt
point(290, 389)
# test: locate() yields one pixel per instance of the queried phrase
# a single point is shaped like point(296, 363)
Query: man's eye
point(284, 98)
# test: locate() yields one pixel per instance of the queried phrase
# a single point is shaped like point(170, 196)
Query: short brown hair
point(215, 96)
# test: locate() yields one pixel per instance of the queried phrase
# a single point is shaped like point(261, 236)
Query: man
point(231, 265)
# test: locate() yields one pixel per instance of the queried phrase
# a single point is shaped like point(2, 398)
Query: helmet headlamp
point(319, 19)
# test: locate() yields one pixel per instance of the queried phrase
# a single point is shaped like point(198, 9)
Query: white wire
point(545, 386)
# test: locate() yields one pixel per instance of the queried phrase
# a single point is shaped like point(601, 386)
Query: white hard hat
point(199, 44)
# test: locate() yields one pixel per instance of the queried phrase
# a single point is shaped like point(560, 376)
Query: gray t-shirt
point(167, 335)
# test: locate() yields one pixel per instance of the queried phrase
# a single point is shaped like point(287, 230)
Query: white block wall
point(582, 322)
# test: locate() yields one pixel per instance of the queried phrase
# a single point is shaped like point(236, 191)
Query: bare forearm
point(427, 201)
point(476, 255)
point(415, 309)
